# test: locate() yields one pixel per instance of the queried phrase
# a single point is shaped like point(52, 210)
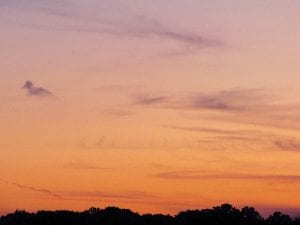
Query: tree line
point(224, 214)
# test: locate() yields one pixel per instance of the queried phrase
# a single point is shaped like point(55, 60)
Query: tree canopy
point(224, 214)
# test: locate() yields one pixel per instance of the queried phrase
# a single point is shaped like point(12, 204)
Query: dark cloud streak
point(138, 27)
point(288, 145)
point(31, 188)
point(227, 100)
point(235, 100)
point(107, 195)
point(83, 166)
point(36, 91)
point(212, 130)
point(150, 100)
point(198, 175)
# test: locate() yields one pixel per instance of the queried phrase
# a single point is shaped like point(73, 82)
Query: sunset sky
point(157, 106)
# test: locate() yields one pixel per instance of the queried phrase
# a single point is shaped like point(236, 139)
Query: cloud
point(150, 27)
point(288, 145)
point(200, 175)
point(140, 29)
point(251, 139)
point(230, 136)
point(194, 41)
point(227, 100)
point(119, 112)
point(212, 103)
point(31, 188)
point(87, 195)
point(108, 195)
point(36, 91)
point(83, 166)
point(150, 100)
point(234, 100)
point(78, 18)
point(254, 107)
point(212, 130)
point(251, 136)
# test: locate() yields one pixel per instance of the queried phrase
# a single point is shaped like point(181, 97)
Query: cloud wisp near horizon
point(123, 196)
point(78, 165)
point(199, 175)
point(214, 130)
point(31, 188)
point(82, 195)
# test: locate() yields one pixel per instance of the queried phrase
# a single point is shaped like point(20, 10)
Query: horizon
point(155, 106)
point(289, 212)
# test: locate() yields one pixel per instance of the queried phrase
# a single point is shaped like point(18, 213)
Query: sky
point(157, 106)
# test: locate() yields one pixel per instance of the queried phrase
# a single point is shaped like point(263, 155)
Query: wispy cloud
point(108, 195)
point(31, 188)
point(149, 27)
point(83, 166)
point(185, 39)
point(75, 18)
point(32, 90)
point(228, 100)
point(118, 112)
point(288, 145)
point(227, 135)
point(243, 135)
point(212, 130)
point(141, 29)
point(86, 195)
point(252, 107)
point(239, 138)
point(200, 175)
point(150, 100)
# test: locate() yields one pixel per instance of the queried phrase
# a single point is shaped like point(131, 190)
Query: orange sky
point(156, 106)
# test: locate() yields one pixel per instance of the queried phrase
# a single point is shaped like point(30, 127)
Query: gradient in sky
point(157, 106)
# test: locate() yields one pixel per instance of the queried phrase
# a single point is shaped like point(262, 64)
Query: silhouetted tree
point(19, 217)
point(224, 214)
point(251, 216)
point(279, 218)
point(189, 217)
point(150, 219)
point(296, 221)
point(227, 214)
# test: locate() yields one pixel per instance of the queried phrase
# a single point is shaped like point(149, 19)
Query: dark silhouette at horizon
point(224, 214)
